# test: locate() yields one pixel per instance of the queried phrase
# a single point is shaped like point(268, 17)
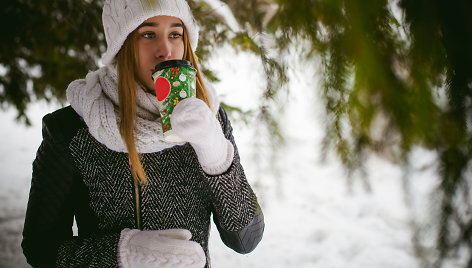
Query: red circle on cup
point(162, 88)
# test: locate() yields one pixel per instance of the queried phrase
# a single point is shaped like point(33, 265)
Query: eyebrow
point(153, 24)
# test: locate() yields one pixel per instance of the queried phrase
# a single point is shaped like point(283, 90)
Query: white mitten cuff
point(194, 122)
point(160, 248)
point(216, 161)
point(123, 253)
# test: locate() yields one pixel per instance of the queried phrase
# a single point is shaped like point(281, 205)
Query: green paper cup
point(174, 80)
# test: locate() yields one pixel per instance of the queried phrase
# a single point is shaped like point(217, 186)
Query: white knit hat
point(121, 17)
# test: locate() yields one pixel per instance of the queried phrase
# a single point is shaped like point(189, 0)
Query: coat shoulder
point(64, 122)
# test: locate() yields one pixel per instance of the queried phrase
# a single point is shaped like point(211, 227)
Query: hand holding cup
point(174, 80)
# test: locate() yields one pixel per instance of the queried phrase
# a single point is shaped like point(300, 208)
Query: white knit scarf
point(95, 99)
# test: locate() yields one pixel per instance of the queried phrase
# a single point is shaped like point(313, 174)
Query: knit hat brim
point(115, 40)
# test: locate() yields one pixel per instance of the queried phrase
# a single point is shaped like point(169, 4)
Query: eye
point(148, 35)
point(175, 35)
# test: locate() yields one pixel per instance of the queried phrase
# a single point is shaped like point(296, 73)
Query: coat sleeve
point(55, 198)
point(237, 214)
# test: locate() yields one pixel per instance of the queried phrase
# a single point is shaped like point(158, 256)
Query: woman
point(138, 200)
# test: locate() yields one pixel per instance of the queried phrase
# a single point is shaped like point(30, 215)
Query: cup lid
point(173, 63)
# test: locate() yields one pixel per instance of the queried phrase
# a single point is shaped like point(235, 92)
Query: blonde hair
point(127, 65)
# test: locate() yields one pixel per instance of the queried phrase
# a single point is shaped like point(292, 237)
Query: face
point(160, 39)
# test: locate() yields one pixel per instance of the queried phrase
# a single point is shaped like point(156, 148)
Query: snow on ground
point(314, 218)
point(17, 151)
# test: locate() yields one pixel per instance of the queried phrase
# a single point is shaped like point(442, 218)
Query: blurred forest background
point(396, 75)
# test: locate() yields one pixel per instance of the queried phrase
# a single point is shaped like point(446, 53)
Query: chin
point(149, 88)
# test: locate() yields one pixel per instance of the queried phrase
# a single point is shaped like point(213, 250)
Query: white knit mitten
point(159, 249)
point(193, 121)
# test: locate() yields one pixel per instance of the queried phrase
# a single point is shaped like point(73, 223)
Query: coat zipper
point(138, 205)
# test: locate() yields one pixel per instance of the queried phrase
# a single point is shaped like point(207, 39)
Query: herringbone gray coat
point(76, 176)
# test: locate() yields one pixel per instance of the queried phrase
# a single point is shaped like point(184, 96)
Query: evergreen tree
point(45, 45)
point(396, 76)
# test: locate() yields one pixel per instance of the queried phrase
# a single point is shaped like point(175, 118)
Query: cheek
point(144, 53)
point(178, 51)
point(142, 67)
point(145, 58)
point(145, 65)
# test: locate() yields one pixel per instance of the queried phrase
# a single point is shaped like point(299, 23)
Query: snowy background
point(314, 217)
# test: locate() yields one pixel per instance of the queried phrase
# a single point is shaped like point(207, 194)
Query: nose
point(164, 49)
